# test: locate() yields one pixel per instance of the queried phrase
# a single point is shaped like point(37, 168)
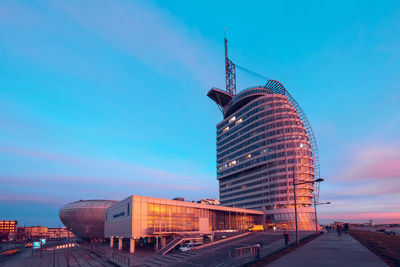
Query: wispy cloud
point(148, 33)
point(129, 168)
point(16, 197)
point(377, 217)
point(374, 163)
point(101, 178)
point(368, 184)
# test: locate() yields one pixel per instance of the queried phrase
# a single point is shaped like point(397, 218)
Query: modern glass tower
point(263, 141)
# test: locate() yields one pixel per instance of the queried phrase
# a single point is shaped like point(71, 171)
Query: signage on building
point(36, 244)
point(43, 241)
point(122, 213)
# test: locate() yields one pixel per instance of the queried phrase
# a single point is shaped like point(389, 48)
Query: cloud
point(57, 180)
point(115, 166)
point(100, 178)
point(16, 197)
point(378, 217)
point(374, 163)
point(152, 35)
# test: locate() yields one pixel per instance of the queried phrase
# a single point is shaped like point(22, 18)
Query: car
point(189, 246)
point(257, 228)
point(28, 245)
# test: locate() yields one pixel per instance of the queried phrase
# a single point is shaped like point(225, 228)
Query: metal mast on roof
point(230, 73)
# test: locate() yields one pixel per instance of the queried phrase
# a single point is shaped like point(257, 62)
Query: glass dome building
point(85, 218)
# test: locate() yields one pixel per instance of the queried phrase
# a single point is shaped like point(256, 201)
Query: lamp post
point(68, 247)
point(54, 249)
point(315, 210)
point(295, 202)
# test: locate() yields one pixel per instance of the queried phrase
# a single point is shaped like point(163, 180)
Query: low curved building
point(85, 218)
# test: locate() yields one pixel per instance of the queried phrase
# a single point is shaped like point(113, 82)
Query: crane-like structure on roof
point(230, 73)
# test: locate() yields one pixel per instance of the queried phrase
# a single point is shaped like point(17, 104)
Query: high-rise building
point(263, 141)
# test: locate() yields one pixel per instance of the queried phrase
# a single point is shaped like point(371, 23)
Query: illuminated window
point(239, 121)
point(232, 163)
point(226, 128)
point(248, 156)
point(232, 119)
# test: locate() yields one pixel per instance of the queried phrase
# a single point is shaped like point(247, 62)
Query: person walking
point(258, 251)
point(286, 237)
point(346, 228)
point(339, 229)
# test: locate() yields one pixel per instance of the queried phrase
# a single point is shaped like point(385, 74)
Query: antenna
point(230, 71)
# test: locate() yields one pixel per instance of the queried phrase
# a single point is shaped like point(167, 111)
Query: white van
point(189, 246)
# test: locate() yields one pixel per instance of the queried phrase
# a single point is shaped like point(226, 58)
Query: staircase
point(167, 248)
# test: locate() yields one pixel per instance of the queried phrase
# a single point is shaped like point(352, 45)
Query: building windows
point(233, 162)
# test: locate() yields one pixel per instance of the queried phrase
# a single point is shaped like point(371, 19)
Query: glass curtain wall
point(226, 220)
point(171, 218)
point(162, 218)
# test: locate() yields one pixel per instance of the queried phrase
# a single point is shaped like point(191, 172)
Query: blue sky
point(102, 99)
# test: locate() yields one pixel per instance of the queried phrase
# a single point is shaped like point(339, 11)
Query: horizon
point(102, 101)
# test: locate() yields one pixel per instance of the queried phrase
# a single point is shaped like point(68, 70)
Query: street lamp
point(323, 203)
point(295, 202)
point(315, 210)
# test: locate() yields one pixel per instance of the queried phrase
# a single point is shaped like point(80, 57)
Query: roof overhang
point(220, 97)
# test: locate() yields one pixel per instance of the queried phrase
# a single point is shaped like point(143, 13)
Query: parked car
point(189, 246)
point(257, 228)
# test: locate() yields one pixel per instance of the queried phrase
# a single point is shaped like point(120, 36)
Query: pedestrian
point(286, 236)
point(339, 229)
point(346, 228)
point(258, 251)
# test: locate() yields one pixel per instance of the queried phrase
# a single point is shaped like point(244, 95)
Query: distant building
point(35, 232)
point(59, 233)
point(209, 201)
point(8, 229)
point(178, 198)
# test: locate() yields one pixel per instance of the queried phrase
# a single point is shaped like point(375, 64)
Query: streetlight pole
point(68, 247)
point(315, 212)
point(295, 208)
point(54, 249)
point(295, 203)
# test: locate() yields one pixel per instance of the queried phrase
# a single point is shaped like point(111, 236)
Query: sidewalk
point(330, 250)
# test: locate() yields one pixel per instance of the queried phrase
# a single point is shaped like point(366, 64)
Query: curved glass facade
point(259, 143)
point(85, 218)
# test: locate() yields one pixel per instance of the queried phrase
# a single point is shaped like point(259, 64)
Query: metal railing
point(247, 251)
point(120, 258)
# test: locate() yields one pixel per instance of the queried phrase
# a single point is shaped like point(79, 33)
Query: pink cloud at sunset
point(55, 201)
point(133, 170)
point(377, 217)
point(374, 163)
point(366, 187)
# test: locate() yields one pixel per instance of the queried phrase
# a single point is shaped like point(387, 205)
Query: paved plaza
point(331, 250)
